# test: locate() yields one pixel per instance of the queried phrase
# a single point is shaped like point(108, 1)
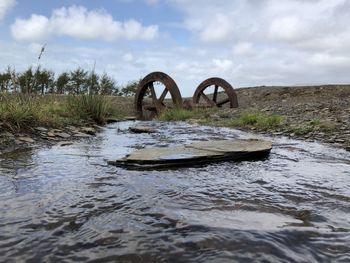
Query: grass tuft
point(258, 120)
point(90, 107)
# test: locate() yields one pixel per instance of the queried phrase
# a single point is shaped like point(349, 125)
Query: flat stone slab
point(196, 153)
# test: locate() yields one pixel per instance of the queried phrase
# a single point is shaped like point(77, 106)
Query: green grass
point(204, 116)
point(19, 112)
point(183, 115)
point(90, 107)
point(23, 112)
point(256, 120)
point(315, 125)
point(323, 125)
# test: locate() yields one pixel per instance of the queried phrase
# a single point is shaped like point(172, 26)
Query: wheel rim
point(156, 104)
point(228, 95)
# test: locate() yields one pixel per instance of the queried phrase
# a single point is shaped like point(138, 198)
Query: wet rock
point(41, 129)
point(63, 135)
point(88, 130)
point(142, 129)
point(64, 143)
point(196, 153)
point(26, 139)
point(347, 148)
point(130, 118)
point(193, 121)
point(339, 140)
point(81, 135)
point(112, 120)
point(56, 130)
point(51, 134)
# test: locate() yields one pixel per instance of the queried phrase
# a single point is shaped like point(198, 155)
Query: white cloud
point(223, 64)
point(269, 41)
point(243, 48)
point(78, 22)
point(218, 28)
point(34, 28)
point(5, 6)
point(246, 42)
point(128, 57)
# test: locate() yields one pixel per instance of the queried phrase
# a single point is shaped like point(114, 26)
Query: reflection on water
point(67, 204)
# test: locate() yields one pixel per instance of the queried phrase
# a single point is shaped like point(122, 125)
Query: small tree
point(93, 80)
point(5, 81)
point(62, 83)
point(26, 81)
point(107, 85)
point(44, 81)
point(130, 89)
point(78, 81)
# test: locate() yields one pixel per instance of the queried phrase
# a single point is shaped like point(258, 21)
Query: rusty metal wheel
point(218, 92)
point(147, 102)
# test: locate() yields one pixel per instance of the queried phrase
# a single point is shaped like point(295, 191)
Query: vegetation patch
point(255, 120)
point(183, 115)
point(23, 112)
point(90, 107)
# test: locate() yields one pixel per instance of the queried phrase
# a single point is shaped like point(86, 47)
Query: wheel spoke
point(210, 102)
point(153, 93)
point(164, 93)
point(156, 103)
point(215, 95)
point(222, 102)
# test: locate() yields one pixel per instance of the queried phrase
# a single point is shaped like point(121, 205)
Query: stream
point(65, 204)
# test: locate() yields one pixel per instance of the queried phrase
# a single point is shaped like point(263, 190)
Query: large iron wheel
point(215, 98)
point(147, 103)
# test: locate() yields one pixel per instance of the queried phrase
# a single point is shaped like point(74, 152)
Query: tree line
point(78, 81)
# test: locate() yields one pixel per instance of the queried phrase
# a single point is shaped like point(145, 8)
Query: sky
point(246, 42)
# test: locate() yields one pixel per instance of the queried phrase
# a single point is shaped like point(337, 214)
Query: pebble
point(81, 135)
point(63, 135)
point(51, 134)
point(41, 129)
point(26, 139)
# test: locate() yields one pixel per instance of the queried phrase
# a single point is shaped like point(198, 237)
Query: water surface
point(64, 204)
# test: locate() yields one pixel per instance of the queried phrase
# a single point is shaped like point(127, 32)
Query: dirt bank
point(310, 112)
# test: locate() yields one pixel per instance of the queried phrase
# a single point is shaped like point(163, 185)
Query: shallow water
point(65, 204)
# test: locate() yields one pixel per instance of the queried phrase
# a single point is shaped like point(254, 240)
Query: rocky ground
point(313, 113)
point(43, 136)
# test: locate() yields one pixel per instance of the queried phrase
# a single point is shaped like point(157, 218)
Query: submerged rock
point(196, 153)
point(64, 143)
point(142, 129)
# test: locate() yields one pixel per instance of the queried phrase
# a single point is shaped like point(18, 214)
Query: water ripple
point(66, 204)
